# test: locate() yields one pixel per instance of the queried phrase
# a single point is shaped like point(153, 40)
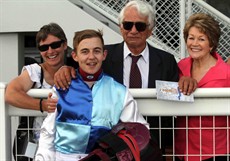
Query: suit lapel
point(154, 67)
point(117, 62)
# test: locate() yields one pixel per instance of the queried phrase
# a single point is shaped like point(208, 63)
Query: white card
point(31, 150)
point(167, 90)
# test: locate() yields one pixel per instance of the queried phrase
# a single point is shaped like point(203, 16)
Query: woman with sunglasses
point(52, 43)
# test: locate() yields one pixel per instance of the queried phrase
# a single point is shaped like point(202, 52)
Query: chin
point(90, 71)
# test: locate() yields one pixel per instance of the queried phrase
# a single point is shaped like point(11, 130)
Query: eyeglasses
point(140, 26)
point(53, 45)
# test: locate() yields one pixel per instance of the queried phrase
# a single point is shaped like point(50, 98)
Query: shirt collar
point(144, 53)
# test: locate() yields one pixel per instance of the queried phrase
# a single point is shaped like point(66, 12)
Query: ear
point(105, 54)
point(65, 45)
point(121, 29)
point(74, 56)
point(149, 33)
point(211, 49)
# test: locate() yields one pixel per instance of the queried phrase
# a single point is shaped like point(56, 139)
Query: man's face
point(133, 37)
point(90, 55)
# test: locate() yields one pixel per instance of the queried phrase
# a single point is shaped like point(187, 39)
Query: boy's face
point(90, 55)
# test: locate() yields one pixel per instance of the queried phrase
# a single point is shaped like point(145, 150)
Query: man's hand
point(62, 77)
point(187, 85)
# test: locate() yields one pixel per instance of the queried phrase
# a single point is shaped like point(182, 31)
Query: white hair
point(143, 8)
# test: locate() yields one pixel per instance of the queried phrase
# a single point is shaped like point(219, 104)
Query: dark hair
point(29, 60)
point(85, 34)
point(52, 29)
point(207, 25)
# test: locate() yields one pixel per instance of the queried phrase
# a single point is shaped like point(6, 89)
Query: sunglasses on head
point(140, 26)
point(53, 45)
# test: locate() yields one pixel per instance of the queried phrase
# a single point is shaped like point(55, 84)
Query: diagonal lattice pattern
point(166, 33)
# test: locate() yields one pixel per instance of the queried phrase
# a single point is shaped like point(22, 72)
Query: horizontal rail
point(151, 92)
point(207, 101)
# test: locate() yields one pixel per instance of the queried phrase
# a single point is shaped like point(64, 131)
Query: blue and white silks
point(84, 115)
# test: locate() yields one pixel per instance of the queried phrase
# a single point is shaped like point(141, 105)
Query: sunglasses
point(140, 26)
point(53, 45)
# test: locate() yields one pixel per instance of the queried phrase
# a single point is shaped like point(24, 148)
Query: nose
point(50, 50)
point(195, 42)
point(133, 29)
point(91, 55)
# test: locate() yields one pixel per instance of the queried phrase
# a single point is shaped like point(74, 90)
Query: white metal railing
point(208, 101)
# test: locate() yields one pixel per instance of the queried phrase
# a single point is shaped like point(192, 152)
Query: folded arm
point(16, 94)
point(131, 112)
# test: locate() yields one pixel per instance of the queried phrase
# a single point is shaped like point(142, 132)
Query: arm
point(186, 84)
point(62, 77)
point(16, 94)
point(130, 112)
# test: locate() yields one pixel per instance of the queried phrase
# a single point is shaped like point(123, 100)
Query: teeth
point(195, 49)
point(52, 56)
point(91, 64)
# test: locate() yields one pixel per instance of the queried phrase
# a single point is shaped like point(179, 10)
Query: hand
point(50, 104)
point(187, 85)
point(62, 77)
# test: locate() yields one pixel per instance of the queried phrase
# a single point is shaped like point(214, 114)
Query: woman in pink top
point(201, 34)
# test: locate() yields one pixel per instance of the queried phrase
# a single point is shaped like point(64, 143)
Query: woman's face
point(198, 45)
point(52, 50)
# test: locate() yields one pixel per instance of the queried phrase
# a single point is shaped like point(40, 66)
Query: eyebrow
point(84, 49)
point(96, 48)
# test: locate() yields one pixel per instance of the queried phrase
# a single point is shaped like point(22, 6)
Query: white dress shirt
point(143, 64)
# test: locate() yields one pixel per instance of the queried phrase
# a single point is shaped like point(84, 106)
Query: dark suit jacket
point(162, 65)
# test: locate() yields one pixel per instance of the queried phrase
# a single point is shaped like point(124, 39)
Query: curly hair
point(207, 25)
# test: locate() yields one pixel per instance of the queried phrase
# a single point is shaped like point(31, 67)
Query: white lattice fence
point(170, 17)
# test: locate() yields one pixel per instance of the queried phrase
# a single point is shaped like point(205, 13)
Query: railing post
point(182, 23)
point(5, 138)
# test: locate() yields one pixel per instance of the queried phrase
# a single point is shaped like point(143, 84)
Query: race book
point(167, 90)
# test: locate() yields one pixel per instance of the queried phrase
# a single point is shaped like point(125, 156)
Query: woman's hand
point(50, 104)
point(63, 76)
